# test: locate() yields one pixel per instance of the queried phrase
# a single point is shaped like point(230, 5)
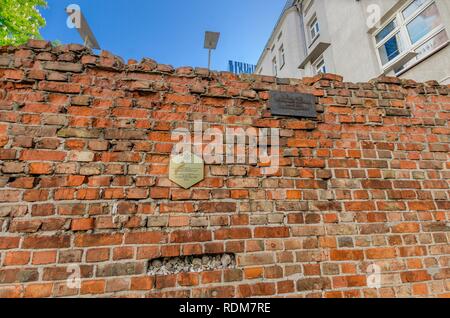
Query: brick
point(259, 289)
point(346, 255)
point(148, 252)
point(190, 236)
point(86, 240)
point(271, 232)
point(256, 259)
point(46, 242)
point(16, 258)
point(7, 154)
point(406, 228)
point(415, 276)
point(25, 226)
point(44, 257)
point(82, 224)
point(68, 88)
point(12, 167)
point(381, 253)
point(23, 183)
point(142, 283)
point(214, 292)
point(253, 272)
point(217, 207)
point(232, 233)
point(145, 238)
point(92, 287)
point(14, 74)
point(307, 284)
point(120, 269)
point(38, 155)
point(97, 255)
point(15, 275)
point(38, 290)
point(117, 285)
point(188, 279)
point(64, 67)
point(9, 195)
point(8, 242)
point(84, 160)
point(211, 277)
point(78, 133)
point(167, 281)
point(121, 134)
point(40, 168)
point(80, 156)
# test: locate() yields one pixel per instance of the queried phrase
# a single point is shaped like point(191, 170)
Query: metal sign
point(211, 40)
point(292, 104)
point(186, 170)
point(241, 68)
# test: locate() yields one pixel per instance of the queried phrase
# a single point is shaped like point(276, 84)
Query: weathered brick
point(64, 67)
point(46, 242)
point(68, 88)
point(85, 156)
point(80, 156)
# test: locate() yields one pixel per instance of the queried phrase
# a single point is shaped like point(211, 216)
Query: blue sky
point(171, 32)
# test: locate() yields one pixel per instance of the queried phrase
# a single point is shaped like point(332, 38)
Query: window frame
point(313, 22)
point(272, 49)
point(279, 36)
point(274, 66)
point(282, 56)
point(405, 39)
point(315, 64)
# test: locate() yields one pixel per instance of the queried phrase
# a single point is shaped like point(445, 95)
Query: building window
point(279, 36)
point(319, 66)
point(314, 29)
point(281, 56)
point(274, 66)
point(417, 27)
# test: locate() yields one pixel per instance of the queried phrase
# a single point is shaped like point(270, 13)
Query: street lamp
point(211, 40)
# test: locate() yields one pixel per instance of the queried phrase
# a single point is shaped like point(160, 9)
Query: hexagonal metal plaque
point(186, 170)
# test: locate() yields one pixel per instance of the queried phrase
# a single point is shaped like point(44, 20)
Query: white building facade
point(361, 40)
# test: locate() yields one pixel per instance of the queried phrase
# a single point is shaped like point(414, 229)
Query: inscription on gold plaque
point(186, 170)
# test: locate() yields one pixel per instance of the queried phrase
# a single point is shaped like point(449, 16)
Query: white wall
point(352, 53)
point(437, 66)
point(289, 26)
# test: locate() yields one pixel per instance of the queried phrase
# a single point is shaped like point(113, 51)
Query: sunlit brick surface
point(84, 152)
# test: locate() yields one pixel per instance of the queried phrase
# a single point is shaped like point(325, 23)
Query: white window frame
point(308, 6)
point(405, 39)
point(274, 66)
point(314, 28)
point(323, 68)
point(282, 56)
point(279, 36)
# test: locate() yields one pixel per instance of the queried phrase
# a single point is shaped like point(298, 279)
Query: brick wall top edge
point(108, 61)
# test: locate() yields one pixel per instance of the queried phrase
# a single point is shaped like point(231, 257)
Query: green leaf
point(20, 20)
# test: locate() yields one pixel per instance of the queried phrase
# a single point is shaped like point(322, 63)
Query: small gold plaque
point(186, 170)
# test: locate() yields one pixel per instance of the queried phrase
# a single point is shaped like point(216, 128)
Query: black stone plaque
point(292, 104)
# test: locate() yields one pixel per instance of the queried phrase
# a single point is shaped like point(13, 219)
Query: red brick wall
point(84, 153)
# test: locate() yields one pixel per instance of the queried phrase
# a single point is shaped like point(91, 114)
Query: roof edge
point(289, 5)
